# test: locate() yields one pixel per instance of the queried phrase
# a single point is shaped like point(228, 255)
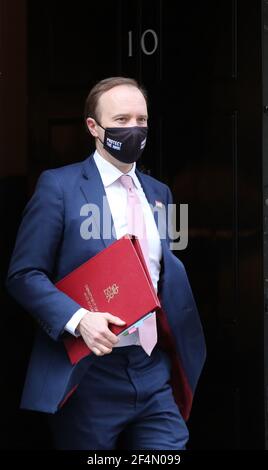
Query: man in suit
point(121, 390)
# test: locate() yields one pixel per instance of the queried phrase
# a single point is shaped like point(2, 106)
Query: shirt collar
point(109, 173)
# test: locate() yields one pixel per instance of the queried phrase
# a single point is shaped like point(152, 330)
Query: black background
point(204, 82)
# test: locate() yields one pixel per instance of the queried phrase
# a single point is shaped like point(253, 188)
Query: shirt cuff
point(74, 321)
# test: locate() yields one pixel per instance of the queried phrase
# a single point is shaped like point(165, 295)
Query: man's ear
point(91, 125)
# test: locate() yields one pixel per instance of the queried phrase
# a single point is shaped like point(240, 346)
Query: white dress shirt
point(117, 199)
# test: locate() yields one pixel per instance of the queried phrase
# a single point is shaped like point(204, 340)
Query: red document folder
point(117, 281)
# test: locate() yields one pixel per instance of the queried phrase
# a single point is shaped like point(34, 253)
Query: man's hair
point(92, 101)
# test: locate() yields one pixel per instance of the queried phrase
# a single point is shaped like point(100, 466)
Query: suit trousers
point(124, 401)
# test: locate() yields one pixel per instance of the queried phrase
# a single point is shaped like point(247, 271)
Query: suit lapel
point(152, 196)
point(148, 190)
point(94, 193)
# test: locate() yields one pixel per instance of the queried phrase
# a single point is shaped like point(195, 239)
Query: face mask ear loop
point(100, 126)
point(100, 141)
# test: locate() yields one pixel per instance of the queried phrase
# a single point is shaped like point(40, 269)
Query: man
point(122, 390)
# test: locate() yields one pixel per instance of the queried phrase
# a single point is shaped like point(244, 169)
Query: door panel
point(201, 63)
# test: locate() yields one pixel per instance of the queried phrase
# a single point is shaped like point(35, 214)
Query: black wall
point(202, 65)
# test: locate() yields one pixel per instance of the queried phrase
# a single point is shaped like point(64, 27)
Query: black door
point(201, 64)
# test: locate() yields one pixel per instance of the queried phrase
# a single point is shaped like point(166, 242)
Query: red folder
point(117, 281)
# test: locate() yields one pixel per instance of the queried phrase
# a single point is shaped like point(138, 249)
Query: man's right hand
point(94, 329)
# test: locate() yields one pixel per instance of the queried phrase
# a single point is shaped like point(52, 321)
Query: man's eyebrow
point(120, 115)
point(127, 115)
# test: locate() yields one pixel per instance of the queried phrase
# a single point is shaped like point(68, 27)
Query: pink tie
point(137, 227)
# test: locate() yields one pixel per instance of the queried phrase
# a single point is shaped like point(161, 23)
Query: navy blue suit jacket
point(49, 246)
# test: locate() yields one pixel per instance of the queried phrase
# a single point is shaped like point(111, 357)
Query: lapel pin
point(159, 204)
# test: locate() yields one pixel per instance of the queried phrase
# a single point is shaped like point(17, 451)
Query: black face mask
point(126, 144)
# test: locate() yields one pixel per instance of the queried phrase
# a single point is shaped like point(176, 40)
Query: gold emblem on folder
point(111, 291)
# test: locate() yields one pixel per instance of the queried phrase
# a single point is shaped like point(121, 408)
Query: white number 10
point(142, 43)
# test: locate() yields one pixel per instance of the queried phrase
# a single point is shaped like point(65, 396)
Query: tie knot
point(127, 182)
